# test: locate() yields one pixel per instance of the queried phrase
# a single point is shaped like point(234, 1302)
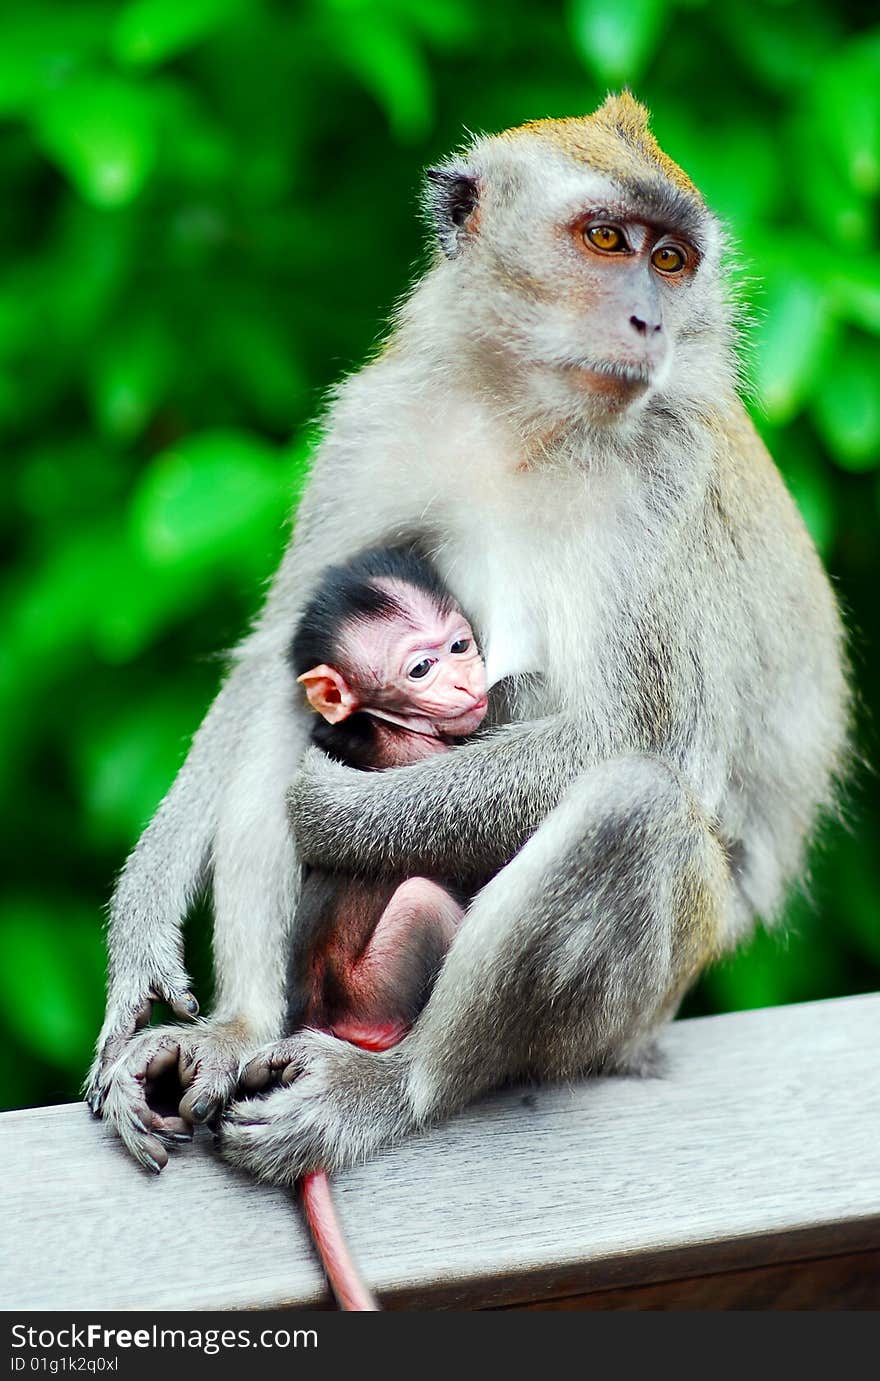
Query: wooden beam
point(830, 1283)
point(759, 1145)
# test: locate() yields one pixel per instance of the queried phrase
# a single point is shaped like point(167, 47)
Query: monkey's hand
point(203, 1062)
point(338, 1104)
point(128, 1014)
point(270, 1064)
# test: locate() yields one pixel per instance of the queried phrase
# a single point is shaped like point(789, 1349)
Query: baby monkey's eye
point(605, 237)
point(668, 259)
point(421, 669)
point(460, 645)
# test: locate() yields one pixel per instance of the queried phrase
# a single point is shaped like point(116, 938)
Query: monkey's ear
point(452, 197)
point(328, 692)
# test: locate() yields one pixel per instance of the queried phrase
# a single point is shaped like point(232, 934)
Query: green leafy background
point(208, 209)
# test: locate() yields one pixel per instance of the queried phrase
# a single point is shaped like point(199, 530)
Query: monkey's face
point(421, 665)
point(416, 664)
point(589, 263)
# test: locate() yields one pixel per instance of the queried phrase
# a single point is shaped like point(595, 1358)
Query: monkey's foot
point(343, 1104)
point(204, 1061)
point(126, 1017)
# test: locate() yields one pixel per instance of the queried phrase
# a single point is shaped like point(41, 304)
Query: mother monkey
point(555, 421)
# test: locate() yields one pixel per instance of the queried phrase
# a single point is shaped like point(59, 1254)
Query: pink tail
point(350, 1291)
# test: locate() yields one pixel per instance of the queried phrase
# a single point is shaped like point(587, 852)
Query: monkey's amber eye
point(668, 259)
point(605, 237)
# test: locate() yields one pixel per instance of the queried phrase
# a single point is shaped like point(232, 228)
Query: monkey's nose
point(471, 694)
point(644, 328)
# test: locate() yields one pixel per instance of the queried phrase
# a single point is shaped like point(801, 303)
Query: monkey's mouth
point(613, 386)
point(467, 721)
point(631, 375)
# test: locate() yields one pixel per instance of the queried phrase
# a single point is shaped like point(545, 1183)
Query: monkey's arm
point(158, 883)
point(227, 802)
point(461, 814)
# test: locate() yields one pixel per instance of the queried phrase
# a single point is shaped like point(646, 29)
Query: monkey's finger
point(267, 1065)
point(198, 1105)
point(137, 1134)
point(162, 1061)
point(126, 1109)
point(182, 1002)
point(173, 1129)
point(215, 1078)
point(148, 1151)
point(289, 1073)
point(257, 1074)
point(183, 1005)
point(187, 1067)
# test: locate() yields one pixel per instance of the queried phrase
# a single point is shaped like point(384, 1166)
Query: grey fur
point(670, 651)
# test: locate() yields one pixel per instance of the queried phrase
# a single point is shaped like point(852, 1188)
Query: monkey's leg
point(565, 963)
point(390, 981)
point(387, 984)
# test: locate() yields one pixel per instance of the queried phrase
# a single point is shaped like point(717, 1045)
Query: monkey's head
point(384, 637)
point(584, 263)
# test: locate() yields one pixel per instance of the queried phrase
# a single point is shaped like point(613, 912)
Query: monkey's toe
point(270, 1064)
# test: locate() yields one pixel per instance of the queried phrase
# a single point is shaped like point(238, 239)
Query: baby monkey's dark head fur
point(351, 592)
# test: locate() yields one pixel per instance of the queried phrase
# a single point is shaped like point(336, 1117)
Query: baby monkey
point(392, 667)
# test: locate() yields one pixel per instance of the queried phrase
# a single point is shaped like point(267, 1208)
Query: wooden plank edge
point(642, 1269)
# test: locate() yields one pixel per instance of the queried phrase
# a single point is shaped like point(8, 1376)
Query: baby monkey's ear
point(328, 692)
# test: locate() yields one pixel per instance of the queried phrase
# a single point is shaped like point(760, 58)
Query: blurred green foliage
point(208, 210)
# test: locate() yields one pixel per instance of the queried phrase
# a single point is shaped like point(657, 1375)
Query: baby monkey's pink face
point(420, 668)
point(428, 667)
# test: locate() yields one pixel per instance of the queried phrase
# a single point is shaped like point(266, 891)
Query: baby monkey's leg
point(378, 994)
point(390, 981)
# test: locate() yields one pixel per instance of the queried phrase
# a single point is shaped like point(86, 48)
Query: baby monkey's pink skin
point(419, 675)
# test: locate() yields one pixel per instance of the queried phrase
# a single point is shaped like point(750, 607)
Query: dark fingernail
point(153, 1164)
point(191, 1006)
point(201, 1109)
point(138, 1123)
